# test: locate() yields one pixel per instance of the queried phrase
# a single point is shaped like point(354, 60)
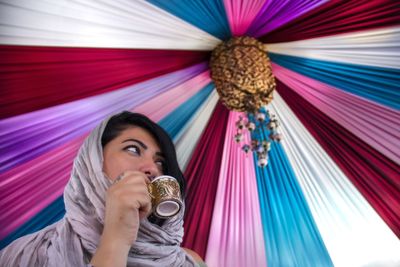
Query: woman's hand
point(127, 202)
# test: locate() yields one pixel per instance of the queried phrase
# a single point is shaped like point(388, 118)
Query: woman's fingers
point(132, 191)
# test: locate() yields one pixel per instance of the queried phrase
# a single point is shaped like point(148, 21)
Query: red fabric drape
point(374, 175)
point(338, 16)
point(33, 78)
point(202, 175)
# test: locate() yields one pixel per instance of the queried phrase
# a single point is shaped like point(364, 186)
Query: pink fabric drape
point(236, 235)
point(241, 14)
point(162, 104)
point(25, 190)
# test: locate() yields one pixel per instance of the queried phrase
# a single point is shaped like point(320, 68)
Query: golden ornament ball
point(242, 73)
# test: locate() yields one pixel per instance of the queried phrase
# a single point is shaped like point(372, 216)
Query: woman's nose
point(149, 167)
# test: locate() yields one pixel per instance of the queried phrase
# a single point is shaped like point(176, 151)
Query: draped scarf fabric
point(72, 240)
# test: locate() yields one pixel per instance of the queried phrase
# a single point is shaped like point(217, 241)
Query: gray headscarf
point(73, 240)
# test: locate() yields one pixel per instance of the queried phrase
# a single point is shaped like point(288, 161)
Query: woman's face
point(134, 149)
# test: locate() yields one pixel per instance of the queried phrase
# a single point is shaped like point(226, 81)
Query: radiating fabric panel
point(29, 135)
point(375, 176)
point(290, 233)
point(166, 101)
point(90, 23)
point(375, 124)
point(188, 138)
point(34, 78)
point(352, 231)
point(276, 13)
point(208, 15)
point(32, 186)
point(202, 174)
point(51, 214)
point(177, 118)
point(29, 184)
point(241, 14)
point(336, 17)
point(236, 234)
point(380, 48)
point(377, 84)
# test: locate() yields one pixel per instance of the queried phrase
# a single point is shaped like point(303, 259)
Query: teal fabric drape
point(208, 15)
point(378, 84)
point(290, 232)
point(177, 119)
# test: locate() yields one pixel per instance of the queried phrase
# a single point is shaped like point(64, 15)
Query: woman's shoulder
point(195, 256)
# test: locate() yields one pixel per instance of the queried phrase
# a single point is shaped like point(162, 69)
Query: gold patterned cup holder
point(165, 196)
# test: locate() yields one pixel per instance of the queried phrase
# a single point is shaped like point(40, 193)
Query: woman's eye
point(133, 149)
point(160, 163)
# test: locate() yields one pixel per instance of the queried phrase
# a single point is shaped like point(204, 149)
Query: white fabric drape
point(352, 231)
point(187, 138)
point(379, 48)
point(91, 23)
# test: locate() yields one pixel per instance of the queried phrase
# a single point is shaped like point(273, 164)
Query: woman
point(107, 203)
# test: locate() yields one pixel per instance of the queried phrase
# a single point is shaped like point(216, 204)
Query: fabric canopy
point(329, 195)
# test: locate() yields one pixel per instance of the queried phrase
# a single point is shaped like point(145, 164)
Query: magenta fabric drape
point(33, 78)
point(202, 175)
point(374, 175)
point(337, 17)
point(373, 123)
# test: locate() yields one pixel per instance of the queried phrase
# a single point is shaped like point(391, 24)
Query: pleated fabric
point(188, 138)
point(337, 17)
point(202, 174)
point(208, 15)
point(374, 175)
point(241, 14)
point(274, 14)
point(378, 48)
point(377, 84)
point(352, 231)
point(90, 23)
point(35, 78)
point(291, 235)
point(330, 193)
point(373, 123)
point(236, 234)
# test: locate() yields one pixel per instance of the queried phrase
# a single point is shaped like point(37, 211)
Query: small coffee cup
point(165, 196)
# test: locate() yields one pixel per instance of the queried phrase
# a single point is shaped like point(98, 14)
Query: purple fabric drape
point(276, 13)
point(29, 135)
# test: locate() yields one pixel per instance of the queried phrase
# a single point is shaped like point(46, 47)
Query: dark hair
point(126, 119)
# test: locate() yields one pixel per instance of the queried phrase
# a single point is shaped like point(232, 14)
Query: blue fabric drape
point(290, 233)
point(51, 214)
point(172, 123)
point(177, 119)
point(378, 84)
point(208, 15)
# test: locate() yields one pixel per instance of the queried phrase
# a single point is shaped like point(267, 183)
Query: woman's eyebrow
point(137, 141)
